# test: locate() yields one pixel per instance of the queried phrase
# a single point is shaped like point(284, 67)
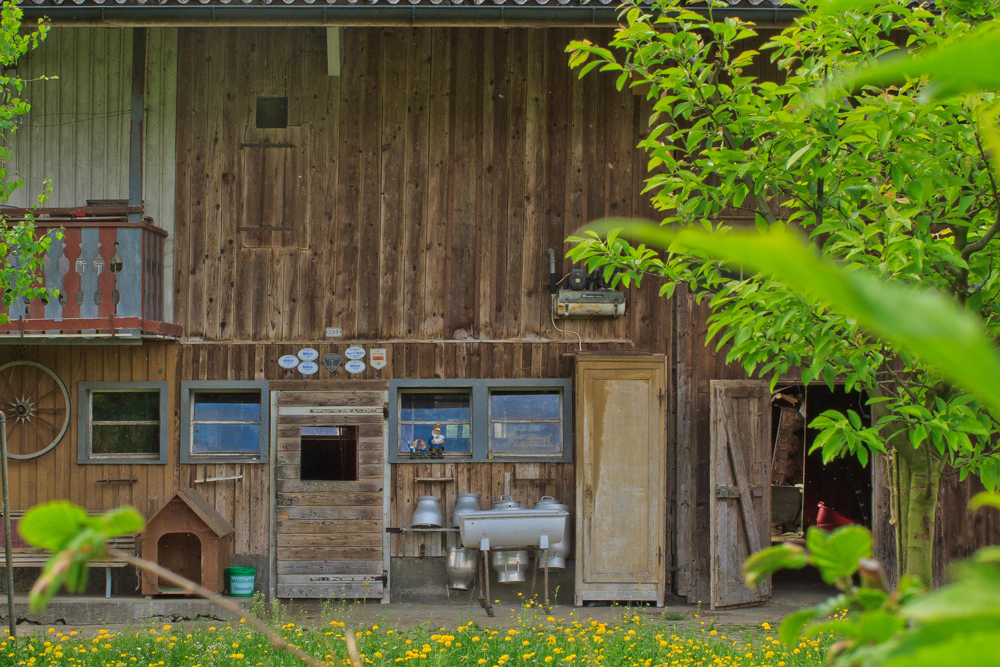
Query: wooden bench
point(23, 555)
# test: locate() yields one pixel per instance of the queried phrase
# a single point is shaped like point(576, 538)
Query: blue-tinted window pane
point(457, 437)
point(435, 407)
point(225, 438)
point(525, 405)
point(526, 439)
point(226, 406)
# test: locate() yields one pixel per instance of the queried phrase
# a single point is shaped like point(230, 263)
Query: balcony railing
point(109, 277)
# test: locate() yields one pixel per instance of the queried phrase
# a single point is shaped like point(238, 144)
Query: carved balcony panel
point(108, 275)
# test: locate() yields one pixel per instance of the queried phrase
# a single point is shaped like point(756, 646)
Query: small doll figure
point(437, 443)
point(418, 448)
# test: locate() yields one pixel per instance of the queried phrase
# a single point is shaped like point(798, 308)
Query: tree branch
point(277, 641)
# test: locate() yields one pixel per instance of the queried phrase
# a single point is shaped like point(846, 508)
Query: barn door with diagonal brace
point(740, 487)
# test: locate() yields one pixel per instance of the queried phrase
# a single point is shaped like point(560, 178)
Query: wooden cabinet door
point(621, 408)
point(740, 487)
point(329, 534)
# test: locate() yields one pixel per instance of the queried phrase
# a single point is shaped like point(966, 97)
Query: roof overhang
point(428, 13)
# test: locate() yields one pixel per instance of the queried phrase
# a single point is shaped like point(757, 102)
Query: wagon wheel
point(36, 403)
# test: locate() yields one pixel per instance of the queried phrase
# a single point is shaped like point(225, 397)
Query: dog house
point(188, 537)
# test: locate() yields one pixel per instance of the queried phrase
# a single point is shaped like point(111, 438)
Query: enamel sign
point(378, 357)
point(308, 367)
point(308, 354)
point(354, 366)
point(288, 361)
point(332, 361)
point(355, 352)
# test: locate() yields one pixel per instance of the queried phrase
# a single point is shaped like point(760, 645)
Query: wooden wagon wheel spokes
point(36, 403)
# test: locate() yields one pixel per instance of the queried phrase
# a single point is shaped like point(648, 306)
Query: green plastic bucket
point(239, 581)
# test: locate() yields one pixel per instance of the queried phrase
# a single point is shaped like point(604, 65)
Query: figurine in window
point(418, 447)
point(437, 443)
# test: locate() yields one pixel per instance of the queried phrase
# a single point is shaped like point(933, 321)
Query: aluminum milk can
point(427, 513)
point(560, 550)
point(466, 502)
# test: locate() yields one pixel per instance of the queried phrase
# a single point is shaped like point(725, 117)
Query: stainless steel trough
point(511, 528)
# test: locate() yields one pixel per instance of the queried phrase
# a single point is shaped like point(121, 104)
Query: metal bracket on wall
point(722, 491)
point(217, 479)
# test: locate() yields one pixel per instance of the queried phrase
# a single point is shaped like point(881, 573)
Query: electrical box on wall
point(588, 303)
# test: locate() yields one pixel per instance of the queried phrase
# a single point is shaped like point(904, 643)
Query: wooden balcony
point(109, 274)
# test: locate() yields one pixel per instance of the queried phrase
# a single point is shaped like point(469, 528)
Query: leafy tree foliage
point(877, 625)
point(21, 250)
point(894, 180)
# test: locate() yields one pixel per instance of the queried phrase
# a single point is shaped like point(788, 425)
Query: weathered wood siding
point(956, 533)
point(77, 133)
point(159, 149)
point(420, 189)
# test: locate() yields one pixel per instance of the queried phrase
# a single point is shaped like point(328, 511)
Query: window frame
point(459, 391)
point(84, 453)
point(480, 391)
point(191, 387)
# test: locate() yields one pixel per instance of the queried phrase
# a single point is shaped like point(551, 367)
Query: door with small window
point(330, 494)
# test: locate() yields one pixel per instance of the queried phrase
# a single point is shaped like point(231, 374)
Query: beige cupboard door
point(329, 494)
point(740, 486)
point(621, 503)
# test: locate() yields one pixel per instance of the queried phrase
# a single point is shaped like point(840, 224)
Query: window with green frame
point(122, 422)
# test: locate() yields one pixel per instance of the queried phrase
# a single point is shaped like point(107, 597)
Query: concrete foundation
point(423, 580)
point(87, 610)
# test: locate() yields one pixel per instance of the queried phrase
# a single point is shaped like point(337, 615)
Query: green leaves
point(984, 499)
point(837, 555)
point(950, 66)
point(74, 538)
point(952, 625)
point(766, 562)
point(924, 324)
point(54, 525)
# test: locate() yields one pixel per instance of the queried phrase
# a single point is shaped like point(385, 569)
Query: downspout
point(138, 109)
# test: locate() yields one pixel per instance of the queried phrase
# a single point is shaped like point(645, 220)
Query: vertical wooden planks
point(393, 183)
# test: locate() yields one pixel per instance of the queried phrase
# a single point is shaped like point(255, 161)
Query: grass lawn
point(537, 639)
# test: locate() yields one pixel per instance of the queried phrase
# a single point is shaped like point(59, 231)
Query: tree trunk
point(919, 475)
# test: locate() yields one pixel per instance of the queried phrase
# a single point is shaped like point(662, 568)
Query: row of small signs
point(305, 360)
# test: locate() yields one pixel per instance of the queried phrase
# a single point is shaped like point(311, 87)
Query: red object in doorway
point(829, 518)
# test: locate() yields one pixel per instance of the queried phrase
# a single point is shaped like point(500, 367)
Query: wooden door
point(621, 497)
point(740, 487)
point(330, 499)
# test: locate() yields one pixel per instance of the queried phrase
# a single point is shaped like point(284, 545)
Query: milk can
point(427, 513)
point(466, 502)
point(510, 566)
point(461, 567)
point(560, 550)
point(506, 503)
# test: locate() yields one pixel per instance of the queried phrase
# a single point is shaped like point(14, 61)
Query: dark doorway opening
point(800, 480)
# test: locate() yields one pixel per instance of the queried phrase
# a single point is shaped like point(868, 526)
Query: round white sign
point(308, 367)
point(288, 361)
point(355, 352)
point(354, 366)
point(308, 354)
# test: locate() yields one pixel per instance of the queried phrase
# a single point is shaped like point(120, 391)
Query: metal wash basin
point(511, 528)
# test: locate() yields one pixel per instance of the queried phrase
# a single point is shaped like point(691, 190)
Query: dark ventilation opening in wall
point(329, 453)
point(272, 112)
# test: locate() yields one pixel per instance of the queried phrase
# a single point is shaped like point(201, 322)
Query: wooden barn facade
point(293, 251)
